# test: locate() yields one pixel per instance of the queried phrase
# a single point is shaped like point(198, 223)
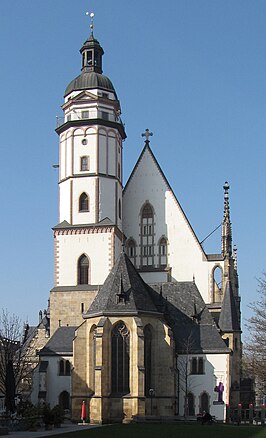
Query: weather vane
point(92, 16)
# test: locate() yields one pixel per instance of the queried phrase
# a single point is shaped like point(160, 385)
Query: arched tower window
point(83, 270)
point(217, 282)
point(131, 250)
point(204, 403)
point(163, 251)
point(84, 202)
point(120, 359)
point(148, 359)
point(147, 235)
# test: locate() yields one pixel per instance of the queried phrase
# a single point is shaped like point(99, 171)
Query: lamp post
point(151, 393)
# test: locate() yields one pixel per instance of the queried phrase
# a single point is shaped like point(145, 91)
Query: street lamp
point(151, 394)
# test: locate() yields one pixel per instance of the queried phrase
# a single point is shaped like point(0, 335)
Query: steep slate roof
point(193, 327)
point(123, 291)
point(60, 343)
point(228, 321)
point(179, 304)
point(104, 222)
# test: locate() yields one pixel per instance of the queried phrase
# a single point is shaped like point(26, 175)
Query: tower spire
point(226, 226)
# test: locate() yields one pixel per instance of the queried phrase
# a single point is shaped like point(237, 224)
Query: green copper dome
point(89, 80)
point(91, 73)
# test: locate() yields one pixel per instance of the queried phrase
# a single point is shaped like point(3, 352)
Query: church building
point(142, 320)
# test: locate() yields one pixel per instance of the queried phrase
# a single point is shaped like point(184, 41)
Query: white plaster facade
point(50, 381)
point(186, 258)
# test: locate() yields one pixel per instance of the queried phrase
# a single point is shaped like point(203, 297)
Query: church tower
point(90, 188)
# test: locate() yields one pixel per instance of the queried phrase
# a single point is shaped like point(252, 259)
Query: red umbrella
point(83, 411)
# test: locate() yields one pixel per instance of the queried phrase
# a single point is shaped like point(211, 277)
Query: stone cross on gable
point(147, 134)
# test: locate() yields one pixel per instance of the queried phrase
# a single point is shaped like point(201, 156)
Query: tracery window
point(120, 359)
point(84, 202)
point(83, 270)
point(147, 235)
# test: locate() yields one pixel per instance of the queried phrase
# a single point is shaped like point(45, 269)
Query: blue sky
point(192, 71)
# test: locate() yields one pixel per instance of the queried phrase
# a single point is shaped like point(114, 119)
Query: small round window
point(84, 141)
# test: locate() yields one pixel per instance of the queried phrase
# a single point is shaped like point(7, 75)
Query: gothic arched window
point(148, 359)
point(204, 403)
point(200, 366)
point(84, 202)
point(120, 359)
point(147, 235)
point(217, 278)
point(61, 367)
point(67, 368)
point(83, 270)
point(131, 249)
point(64, 400)
point(163, 251)
point(190, 404)
point(194, 366)
point(92, 357)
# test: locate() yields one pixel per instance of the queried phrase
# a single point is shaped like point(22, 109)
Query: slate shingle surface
point(60, 343)
point(228, 320)
point(123, 279)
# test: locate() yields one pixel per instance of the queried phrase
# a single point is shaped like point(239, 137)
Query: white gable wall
point(185, 255)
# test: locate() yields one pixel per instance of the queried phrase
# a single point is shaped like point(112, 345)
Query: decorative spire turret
point(226, 226)
point(91, 52)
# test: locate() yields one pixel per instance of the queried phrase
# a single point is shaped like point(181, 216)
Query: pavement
point(65, 428)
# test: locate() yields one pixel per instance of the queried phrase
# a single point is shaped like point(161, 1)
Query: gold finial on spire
point(92, 17)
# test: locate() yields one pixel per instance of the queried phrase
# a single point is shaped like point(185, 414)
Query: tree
point(186, 380)
point(256, 343)
point(14, 357)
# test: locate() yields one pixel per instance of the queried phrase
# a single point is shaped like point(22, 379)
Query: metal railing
point(88, 115)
